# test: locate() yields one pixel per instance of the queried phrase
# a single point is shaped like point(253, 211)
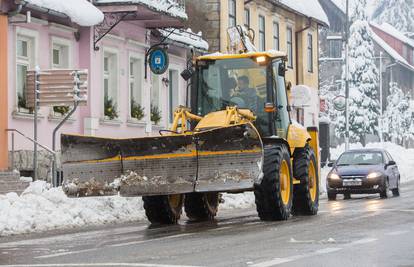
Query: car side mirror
point(391, 163)
point(330, 164)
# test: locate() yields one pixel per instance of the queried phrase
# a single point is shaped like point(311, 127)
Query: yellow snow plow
point(237, 136)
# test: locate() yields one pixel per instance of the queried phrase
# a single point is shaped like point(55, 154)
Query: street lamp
point(347, 77)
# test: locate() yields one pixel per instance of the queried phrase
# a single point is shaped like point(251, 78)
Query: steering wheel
point(238, 101)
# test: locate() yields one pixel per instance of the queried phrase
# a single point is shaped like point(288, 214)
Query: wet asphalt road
point(362, 231)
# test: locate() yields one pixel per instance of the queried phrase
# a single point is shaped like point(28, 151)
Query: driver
point(246, 93)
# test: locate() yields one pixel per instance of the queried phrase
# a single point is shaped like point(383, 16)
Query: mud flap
point(220, 159)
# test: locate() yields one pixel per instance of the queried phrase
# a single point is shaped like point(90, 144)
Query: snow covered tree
point(363, 80)
point(398, 121)
point(398, 13)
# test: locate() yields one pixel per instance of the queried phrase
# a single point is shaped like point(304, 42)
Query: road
point(362, 231)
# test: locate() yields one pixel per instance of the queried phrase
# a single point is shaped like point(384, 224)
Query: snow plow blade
point(222, 159)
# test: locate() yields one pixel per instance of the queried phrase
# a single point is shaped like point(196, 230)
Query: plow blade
point(215, 160)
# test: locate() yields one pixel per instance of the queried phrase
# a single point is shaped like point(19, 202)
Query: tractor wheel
point(305, 194)
point(274, 193)
point(163, 209)
point(201, 206)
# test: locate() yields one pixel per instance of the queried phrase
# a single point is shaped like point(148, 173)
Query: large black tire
point(396, 191)
point(385, 188)
point(162, 209)
point(268, 193)
point(303, 201)
point(201, 206)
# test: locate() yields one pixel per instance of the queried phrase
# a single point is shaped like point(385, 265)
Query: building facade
point(277, 25)
point(124, 99)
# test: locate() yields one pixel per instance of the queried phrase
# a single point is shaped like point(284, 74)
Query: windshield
point(223, 83)
point(360, 158)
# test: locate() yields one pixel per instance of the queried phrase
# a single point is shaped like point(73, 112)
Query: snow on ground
point(41, 208)
point(81, 12)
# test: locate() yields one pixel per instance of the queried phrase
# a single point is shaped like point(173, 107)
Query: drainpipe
point(16, 11)
point(297, 47)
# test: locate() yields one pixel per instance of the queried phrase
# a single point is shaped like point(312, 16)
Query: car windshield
point(360, 158)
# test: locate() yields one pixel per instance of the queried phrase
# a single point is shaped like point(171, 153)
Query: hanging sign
point(339, 103)
point(158, 60)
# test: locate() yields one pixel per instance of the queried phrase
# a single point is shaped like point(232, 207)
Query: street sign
point(158, 60)
point(339, 103)
point(57, 87)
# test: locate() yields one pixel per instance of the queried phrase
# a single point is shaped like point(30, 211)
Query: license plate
point(354, 182)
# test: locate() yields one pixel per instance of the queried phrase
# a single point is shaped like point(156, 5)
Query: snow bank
point(170, 7)
point(237, 201)
point(402, 156)
point(81, 12)
point(41, 208)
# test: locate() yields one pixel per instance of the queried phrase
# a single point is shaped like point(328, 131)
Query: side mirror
point(330, 164)
point(187, 74)
point(391, 163)
point(282, 69)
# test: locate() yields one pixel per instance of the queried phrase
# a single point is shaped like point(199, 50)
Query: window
point(289, 41)
point(60, 53)
point(25, 60)
point(275, 35)
point(310, 53)
point(262, 30)
point(135, 88)
point(110, 80)
point(155, 99)
point(247, 18)
point(232, 13)
point(335, 48)
point(173, 93)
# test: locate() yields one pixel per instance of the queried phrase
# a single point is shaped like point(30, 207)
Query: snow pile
point(237, 201)
point(171, 7)
point(309, 8)
point(186, 37)
point(41, 208)
point(81, 12)
point(402, 156)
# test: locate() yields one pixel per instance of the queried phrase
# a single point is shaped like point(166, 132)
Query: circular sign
point(339, 103)
point(158, 60)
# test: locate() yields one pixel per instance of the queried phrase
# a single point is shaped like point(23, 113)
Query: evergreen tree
point(363, 79)
point(398, 121)
point(398, 13)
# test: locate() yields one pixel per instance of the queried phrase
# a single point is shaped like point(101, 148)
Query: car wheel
point(384, 191)
point(347, 196)
point(331, 196)
point(396, 191)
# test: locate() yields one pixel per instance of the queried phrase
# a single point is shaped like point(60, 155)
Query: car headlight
point(373, 175)
point(334, 176)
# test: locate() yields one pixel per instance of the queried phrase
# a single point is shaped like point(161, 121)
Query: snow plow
point(237, 136)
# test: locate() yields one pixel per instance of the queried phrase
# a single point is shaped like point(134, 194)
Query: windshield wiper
point(343, 164)
point(366, 164)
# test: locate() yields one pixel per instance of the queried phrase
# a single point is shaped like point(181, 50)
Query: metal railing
point(13, 131)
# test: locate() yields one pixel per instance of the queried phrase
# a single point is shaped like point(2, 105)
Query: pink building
point(121, 101)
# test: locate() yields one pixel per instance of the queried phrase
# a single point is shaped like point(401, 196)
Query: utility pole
point(347, 77)
point(380, 89)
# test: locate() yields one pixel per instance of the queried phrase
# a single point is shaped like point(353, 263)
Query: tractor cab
point(253, 81)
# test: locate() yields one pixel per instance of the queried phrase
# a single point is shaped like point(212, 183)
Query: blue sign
point(158, 60)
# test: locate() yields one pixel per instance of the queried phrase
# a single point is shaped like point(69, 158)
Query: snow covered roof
point(186, 37)
point(309, 8)
point(387, 28)
point(389, 50)
point(170, 7)
point(341, 4)
point(80, 12)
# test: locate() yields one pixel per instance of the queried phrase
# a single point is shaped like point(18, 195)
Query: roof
point(80, 12)
point(170, 7)
point(391, 51)
point(308, 8)
point(389, 29)
point(270, 54)
point(185, 37)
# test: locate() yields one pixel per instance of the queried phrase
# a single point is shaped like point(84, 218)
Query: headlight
point(334, 176)
point(373, 175)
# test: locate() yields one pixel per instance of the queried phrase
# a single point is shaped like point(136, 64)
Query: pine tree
point(363, 79)
point(398, 116)
point(398, 13)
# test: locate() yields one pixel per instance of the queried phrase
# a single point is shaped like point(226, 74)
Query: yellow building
point(286, 25)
